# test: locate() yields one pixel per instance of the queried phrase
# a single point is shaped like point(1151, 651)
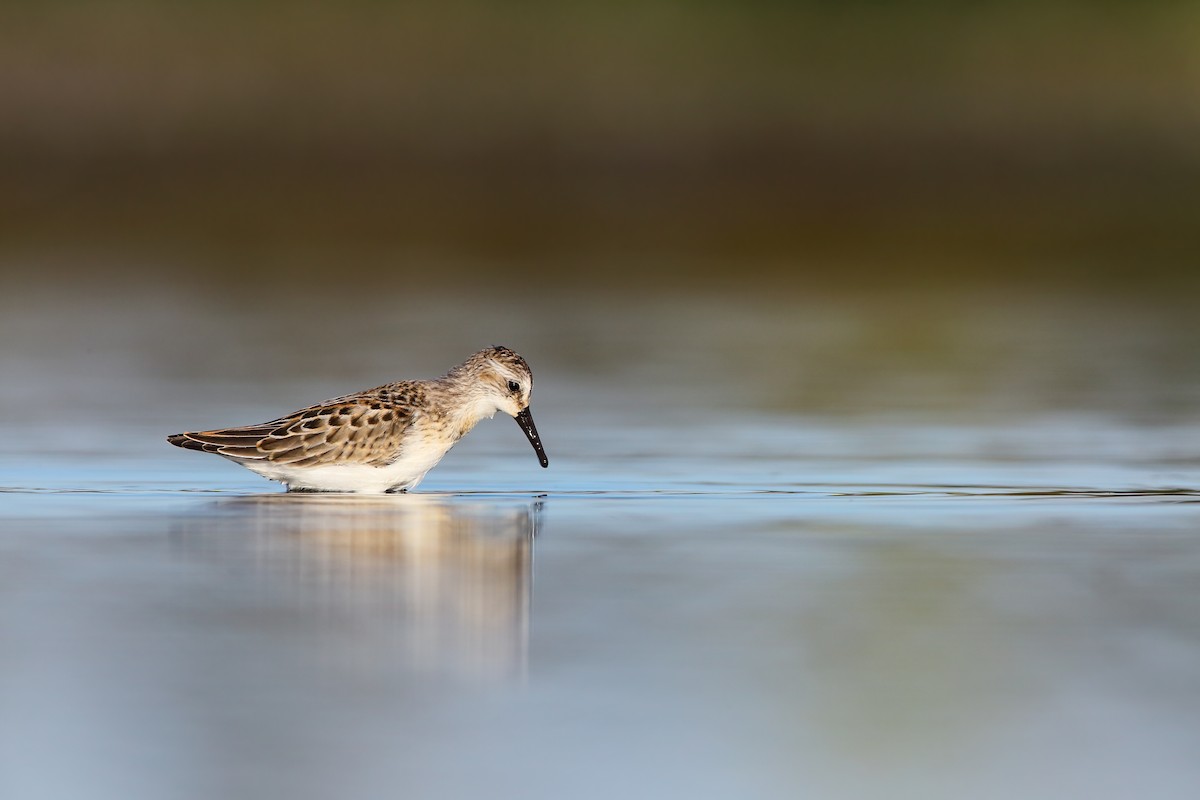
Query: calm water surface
point(881, 548)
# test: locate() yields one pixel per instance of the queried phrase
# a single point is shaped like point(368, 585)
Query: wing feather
point(361, 429)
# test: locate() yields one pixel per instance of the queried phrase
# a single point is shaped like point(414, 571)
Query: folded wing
point(359, 432)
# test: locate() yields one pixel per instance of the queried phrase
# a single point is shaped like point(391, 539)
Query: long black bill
point(525, 420)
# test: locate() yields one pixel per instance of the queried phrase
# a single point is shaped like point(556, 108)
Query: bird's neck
point(470, 403)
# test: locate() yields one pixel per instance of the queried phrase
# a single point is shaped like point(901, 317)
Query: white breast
point(419, 455)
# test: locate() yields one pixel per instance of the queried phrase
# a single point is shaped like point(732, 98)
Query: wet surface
point(795, 553)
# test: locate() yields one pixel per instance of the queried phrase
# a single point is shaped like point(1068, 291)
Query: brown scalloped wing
point(350, 432)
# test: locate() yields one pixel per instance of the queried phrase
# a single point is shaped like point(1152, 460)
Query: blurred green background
point(659, 142)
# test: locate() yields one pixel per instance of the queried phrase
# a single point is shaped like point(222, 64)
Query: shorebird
point(383, 439)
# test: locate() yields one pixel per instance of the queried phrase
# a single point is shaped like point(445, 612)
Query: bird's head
point(503, 382)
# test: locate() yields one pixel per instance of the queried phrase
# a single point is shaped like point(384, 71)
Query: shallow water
point(869, 548)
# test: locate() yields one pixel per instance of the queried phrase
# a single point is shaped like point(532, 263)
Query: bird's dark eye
point(513, 386)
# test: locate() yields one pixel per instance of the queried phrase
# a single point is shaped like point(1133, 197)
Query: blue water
point(922, 578)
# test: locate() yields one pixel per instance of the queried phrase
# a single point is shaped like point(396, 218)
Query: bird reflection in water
point(431, 585)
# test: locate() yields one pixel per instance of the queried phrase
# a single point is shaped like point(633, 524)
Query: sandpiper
point(383, 439)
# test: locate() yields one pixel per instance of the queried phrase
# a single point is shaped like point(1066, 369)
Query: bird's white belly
point(403, 474)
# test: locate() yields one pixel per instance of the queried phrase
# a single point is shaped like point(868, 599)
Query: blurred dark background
point(658, 143)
